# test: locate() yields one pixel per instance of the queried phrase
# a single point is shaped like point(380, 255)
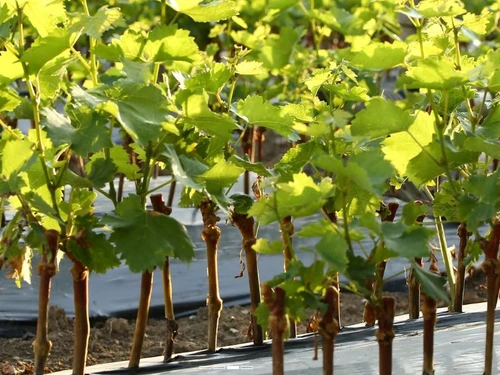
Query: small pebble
point(244, 312)
point(233, 330)
point(192, 317)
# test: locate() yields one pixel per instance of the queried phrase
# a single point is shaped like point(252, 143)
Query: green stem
point(345, 223)
point(447, 260)
point(35, 102)
point(313, 28)
point(163, 16)
point(147, 172)
point(231, 93)
point(160, 186)
point(93, 58)
point(106, 195)
point(9, 129)
point(80, 58)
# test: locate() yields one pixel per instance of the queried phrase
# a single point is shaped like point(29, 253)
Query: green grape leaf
point(168, 43)
point(111, 52)
point(316, 229)
point(378, 169)
point(264, 246)
point(211, 80)
point(9, 100)
point(137, 71)
point(91, 131)
point(131, 45)
point(300, 112)
point(366, 171)
point(343, 21)
point(45, 49)
point(412, 211)
point(342, 90)
point(244, 162)
point(10, 67)
point(144, 238)
point(278, 49)
point(51, 76)
point(101, 171)
point(319, 78)
point(474, 213)
point(369, 221)
point(139, 109)
point(103, 20)
point(36, 187)
point(72, 179)
point(184, 173)
point(44, 15)
point(359, 270)
point(221, 175)
point(250, 68)
point(298, 198)
point(92, 249)
point(369, 122)
point(434, 72)
point(121, 160)
point(241, 203)
point(256, 111)
point(489, 146)
point(295, 159)
point(401, 147)
point(480, 204)
point(207, 11)
point(332, 248)
point(281, 4)
point(197, 113)
point(58, 127)
point(409, 242)
point(428, 163)
point(262, 314)
point(432, 284)
point(445, 203)
point(17, 156)
point(440, 8)
point(378, 56)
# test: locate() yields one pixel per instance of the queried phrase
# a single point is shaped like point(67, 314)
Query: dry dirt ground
point(111, 340)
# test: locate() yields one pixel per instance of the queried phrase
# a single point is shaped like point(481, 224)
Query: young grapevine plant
point(369, 98)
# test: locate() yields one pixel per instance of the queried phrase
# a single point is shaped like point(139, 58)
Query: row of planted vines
point(371, 96)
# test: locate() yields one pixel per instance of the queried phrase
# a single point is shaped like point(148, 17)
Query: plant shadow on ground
point(111, 340)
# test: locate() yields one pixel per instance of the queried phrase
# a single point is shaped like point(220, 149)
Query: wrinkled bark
point(142, 319)
point(429, 312)
point(246, 145)
point(329, 329)
point(258, 141)
point(82, 324)
point(414, 284)
point(172, 325)
point(211, 235)
point(460, 282)
point(46, 269)
point(278, 325)
point(491, 268)
point(387, 214)
point(287, 232)
point(245, 225)
point(332, 216)
point(414, 292)
point(385, 334)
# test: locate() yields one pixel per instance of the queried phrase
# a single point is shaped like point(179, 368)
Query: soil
point(111, 340)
